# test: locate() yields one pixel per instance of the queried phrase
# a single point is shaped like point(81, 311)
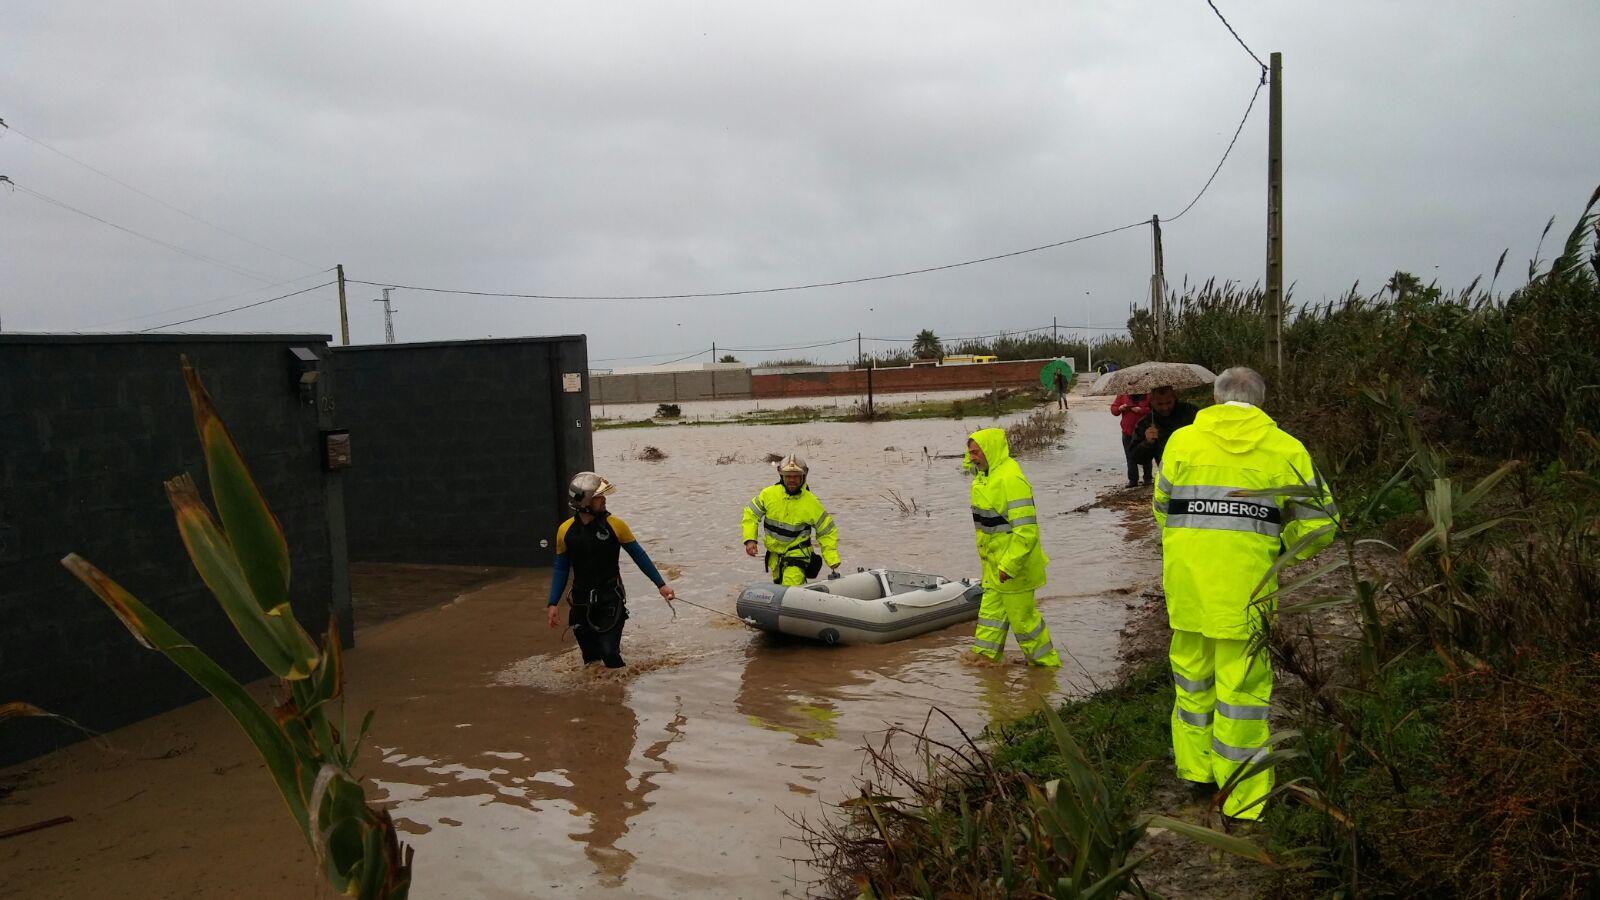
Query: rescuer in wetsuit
point(588, 547)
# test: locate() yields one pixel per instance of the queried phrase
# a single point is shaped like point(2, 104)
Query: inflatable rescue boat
point(872, 606)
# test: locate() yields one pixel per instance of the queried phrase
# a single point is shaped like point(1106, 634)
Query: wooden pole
point(870, 413)
point(344, 311)
point(1274, 360)
point(1158, 287)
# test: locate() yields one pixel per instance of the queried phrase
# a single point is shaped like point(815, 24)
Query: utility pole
point(344, 312)
point(388, 316)
point(1088, 338)
point(1055, 337)
point(1274, 361)
point(859, 357)
point(1158, 287)
point(870, 413)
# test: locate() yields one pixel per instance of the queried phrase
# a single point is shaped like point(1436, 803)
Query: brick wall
point(90, 427)
point(461, 450)
point(902, 379)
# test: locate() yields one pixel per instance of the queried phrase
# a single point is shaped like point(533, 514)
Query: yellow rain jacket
point(1215, 546)
point(788, 523)
point(1006, 520)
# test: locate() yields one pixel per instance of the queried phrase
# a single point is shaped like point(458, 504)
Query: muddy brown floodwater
point(514, 773)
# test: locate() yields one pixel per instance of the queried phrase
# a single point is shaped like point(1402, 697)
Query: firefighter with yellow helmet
point(787, 516)
point(1222, 530)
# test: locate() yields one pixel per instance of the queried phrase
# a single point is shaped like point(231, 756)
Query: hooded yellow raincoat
point(1217, 547)
point(1007, 525)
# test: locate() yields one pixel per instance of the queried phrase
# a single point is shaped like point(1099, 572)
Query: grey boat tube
point(871, 606)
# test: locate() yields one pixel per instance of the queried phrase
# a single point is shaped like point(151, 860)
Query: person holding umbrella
point(1161, 381)
point(1166, 414)
point(1057, 375)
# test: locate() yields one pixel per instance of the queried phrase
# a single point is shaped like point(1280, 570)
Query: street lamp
point(1088, 340)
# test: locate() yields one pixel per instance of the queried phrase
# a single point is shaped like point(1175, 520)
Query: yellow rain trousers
point(1007, 524)
point(1216, 548)
point(787, 523)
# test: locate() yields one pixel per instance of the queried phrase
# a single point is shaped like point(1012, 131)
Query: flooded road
point(721, 410)
point(515, 773)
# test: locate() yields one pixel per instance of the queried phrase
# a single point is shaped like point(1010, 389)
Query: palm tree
point(1402, 284)
point(927, 345)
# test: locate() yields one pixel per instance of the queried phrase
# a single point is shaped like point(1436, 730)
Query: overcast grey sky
point(643, 148)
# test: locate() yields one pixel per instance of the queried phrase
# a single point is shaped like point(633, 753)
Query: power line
point(148, 196)
point(639, 356)
point(1236, 35)
point(157, 312)
point(237, 270)
point(1228, 151)
point(751, 291)
point(1236, 132)
point(681, 359)
point(784, 349)
point(237, 308)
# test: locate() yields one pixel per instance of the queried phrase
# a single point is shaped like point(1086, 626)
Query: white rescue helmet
point(586, 486)
point(793, 463)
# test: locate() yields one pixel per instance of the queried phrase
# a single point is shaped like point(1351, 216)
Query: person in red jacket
point(1132, 408)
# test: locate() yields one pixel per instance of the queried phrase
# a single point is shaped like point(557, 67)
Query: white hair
point(1240, 385)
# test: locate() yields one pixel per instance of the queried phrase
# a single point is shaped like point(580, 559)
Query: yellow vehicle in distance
point(968, 359)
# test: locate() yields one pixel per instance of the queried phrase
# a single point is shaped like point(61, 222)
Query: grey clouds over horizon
point(711, 146)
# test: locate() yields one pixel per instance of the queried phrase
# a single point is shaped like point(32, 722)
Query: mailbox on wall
point(336, 450)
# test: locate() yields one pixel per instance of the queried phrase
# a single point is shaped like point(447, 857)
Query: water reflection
point(673, 779)
point(603, 788)
point(1010, 692)
point(573, 748)
point(793, 686)
point(804, 689)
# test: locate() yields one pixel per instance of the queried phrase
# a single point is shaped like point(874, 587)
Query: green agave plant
point(244, 560)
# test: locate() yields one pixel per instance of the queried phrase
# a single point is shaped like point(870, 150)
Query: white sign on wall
point(572, 382)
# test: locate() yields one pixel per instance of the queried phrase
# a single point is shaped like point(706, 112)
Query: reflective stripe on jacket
point(1217, 546)
point(789, 522)
point(1005, 518)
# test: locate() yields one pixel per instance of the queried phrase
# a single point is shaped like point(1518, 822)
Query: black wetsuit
point(598, 608)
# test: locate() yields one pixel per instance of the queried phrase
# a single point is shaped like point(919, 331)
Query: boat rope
point(706, 608)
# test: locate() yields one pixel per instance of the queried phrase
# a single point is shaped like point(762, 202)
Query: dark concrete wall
point(461, 450)
point(672, 387)
point(90, 427)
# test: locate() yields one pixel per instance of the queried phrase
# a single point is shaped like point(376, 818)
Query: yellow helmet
point(586, 486)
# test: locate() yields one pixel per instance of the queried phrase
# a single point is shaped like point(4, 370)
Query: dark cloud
point(660, 148)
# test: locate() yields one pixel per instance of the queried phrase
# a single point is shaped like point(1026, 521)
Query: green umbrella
point(1047, 375)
